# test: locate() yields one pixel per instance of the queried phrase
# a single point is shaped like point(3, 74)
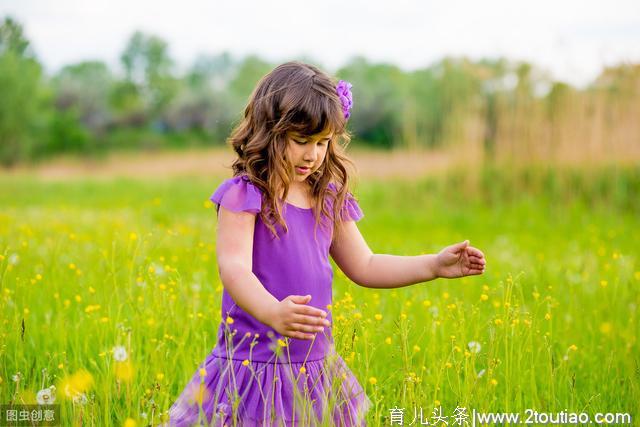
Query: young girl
point(285, 211)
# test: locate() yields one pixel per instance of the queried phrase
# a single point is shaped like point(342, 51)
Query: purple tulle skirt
point(234, 392)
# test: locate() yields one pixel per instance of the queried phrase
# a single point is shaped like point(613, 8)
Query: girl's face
point(306, 154)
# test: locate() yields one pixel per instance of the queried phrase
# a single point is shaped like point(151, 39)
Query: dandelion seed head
point(119, 353)
point(46, 396)
point(474, 346)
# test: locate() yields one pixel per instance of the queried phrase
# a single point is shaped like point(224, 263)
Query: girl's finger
point(476, 252)
point(310, 320)
point(300, 335)
point(309, 311)
point(299, 327)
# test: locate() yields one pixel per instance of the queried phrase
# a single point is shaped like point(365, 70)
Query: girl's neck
point(300, 194)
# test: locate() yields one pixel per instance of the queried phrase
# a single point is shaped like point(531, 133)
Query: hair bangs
point(316, 113)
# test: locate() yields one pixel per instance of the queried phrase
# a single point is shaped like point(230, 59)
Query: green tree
point(85, 86)
point(148, 69)
point(379, 97)
point(201, 106)
point(20, 75)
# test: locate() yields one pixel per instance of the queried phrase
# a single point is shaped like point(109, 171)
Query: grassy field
point(551, 326)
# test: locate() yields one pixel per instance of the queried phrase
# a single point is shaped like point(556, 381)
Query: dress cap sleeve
point(350, 209)
point(238, 194)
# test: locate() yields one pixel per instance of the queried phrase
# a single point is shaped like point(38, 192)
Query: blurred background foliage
point(493, 108)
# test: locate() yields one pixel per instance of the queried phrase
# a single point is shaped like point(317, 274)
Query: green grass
point(92, 265)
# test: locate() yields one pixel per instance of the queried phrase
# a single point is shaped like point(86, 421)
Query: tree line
point(504, 108)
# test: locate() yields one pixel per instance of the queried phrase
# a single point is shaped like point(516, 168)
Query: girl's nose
point(311, 155)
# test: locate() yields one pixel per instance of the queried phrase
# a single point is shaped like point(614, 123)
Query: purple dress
point(255, 376)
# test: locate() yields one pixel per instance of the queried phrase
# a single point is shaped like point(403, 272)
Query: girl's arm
point(234, 251)
point(291, 316)
point(352, 254)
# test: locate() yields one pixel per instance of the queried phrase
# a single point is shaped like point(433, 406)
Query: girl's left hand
point(459, 260)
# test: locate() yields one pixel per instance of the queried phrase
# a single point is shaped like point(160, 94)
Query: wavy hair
point(294, 97)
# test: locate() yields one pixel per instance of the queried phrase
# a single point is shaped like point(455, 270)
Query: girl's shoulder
point(238, 194)
point(350, 209)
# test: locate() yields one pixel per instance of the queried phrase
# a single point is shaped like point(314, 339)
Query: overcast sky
point(572, 39)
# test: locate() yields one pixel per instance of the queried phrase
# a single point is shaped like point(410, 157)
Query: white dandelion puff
point(474, 346)
point(119, 353)
point(481, 373)
point(46, 396)
point(434, 311)
point(14, 259)
point(80, 399)
point(158, 269)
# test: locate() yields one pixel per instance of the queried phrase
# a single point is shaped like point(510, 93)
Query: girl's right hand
point(292, 318)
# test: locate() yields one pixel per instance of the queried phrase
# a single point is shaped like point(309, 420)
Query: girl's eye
point(300, 142)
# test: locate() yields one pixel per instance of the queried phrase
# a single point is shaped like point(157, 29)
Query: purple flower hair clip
point(346, 98)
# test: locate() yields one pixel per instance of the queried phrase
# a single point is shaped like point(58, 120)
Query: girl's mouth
point(302, 170)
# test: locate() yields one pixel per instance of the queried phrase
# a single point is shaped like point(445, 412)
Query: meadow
point(110, 291)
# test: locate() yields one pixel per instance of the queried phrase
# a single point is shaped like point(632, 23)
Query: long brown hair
point(294, 97)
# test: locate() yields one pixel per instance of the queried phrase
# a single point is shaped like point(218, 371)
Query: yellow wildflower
point(78, 383)
point(124, 371)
